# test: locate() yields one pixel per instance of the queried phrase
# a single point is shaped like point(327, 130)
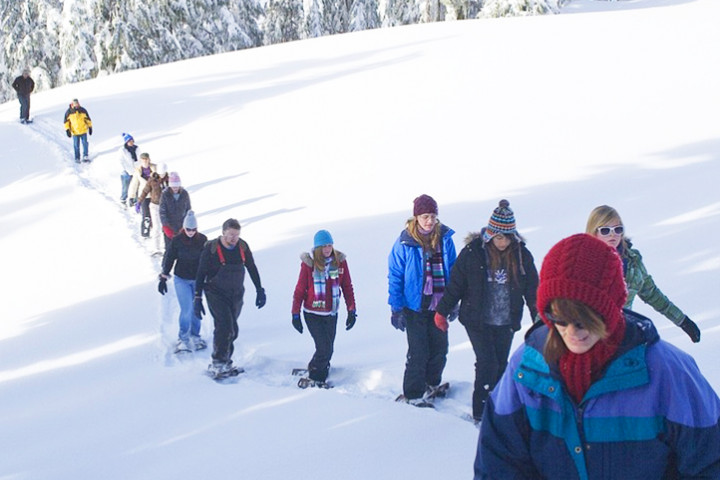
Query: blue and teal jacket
point(651, 415)
point(406, 269)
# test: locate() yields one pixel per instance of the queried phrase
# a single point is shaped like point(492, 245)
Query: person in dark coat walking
point(419, 267)
point(174, 205)
point(324, 276)
point(221, 274)
point(184, 253)
point(494, 278)
point(24, 86)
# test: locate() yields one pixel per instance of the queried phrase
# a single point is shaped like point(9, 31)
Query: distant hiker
point(152, 191)
point(142, 173)
point(221, 275)
point(494, 278)
point(184, 252)
point(418, 270)
point(24, 86)
point(324, 276)
point(78, 126)
point(593, 392)
point(174, 205)
point(605, 223)
point(128, 162)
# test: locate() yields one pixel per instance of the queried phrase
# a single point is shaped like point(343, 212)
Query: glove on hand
point(137, 207)
point(398, 320)
point(90, 130)
point(132, 201)
point(691, 329)
point(350, 322)
point(297, 323)
point(162, 285)
point(67, 132)
point(260, 298)
point(441, 322)
point(168, 232)
point(454, 314)
point(198, 308)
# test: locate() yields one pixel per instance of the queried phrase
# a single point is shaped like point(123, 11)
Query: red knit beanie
point(424, 204)
point(585, 269)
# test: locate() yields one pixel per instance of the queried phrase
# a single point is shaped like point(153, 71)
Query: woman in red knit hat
point(593, 393)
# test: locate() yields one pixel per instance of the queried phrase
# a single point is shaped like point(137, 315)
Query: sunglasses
point(605, 231)
point(191, 229)
point(563, 323)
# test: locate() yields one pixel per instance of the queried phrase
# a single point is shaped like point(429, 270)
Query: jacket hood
point(307, 258)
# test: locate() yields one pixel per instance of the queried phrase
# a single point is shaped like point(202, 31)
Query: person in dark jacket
point(324, 276)
point(221, 274)
point(174, 205)
point(23, 86)
point(184, 253)
point(605, 223)
point(78, 126)
point(593, 393)
point(494, 278)
point(419, 267)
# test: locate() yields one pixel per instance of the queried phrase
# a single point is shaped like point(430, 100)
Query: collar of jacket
point(408, 240)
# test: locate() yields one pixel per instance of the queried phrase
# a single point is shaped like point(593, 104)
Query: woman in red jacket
point(324, 275)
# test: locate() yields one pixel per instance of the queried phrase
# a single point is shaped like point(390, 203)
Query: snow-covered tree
point(364, 15)
point(336, 17)
point(313, 21)
point(516, 8)
point(77, 40)
point(283, 21)
point(400, 12)
point(432, 11)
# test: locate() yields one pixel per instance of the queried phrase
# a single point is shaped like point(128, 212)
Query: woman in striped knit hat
point(493, 279)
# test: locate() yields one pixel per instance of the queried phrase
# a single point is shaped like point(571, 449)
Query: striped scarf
point(320, 280)
point(434, 276)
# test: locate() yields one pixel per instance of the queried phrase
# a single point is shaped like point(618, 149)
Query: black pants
point(427, 353)
point(491, 344)
point(225, 312)
point(323, 329)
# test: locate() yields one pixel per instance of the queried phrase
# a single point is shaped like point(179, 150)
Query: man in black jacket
point(220, 275)
point(24, 85)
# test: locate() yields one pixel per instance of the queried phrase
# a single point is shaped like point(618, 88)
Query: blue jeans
point(76, 143)
point(125, 179)
point(24, 106)
point(189, 323)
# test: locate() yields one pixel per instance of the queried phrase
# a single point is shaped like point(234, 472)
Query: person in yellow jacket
point(78, 125)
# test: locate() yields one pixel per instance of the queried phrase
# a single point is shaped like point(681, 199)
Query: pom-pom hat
point(127, 137)
point(424, 204)
point(174, 180)
point(322, 238)
point(584, 269)
point(502, 221)
point(190, 222)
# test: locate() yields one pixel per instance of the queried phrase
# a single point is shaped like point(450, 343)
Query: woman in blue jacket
point(418, 270)
point(593, 393)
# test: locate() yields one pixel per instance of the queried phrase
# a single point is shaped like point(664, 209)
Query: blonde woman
point(605, 223)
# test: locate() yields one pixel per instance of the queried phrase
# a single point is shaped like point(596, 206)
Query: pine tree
point(283, 21)
point(515, 8)
point(313, 21)
point(400, 12)
point(77, 42)
point(336, 16)
point(364, 15)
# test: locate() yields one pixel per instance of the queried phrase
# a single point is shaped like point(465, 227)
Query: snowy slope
point(610, 102)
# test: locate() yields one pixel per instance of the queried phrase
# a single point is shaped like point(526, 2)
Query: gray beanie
point(190, 221)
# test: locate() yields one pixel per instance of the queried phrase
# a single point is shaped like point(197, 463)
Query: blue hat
point(127, 137)
point(322, 238)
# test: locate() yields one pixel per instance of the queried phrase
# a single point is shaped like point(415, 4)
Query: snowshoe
point(220, 372)
point(182, 347)
point(415, 402)
point(439, 391)
point(198, 343)
point(299, 371)
point(306, 382)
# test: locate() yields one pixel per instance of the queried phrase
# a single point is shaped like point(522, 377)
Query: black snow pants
point(427, 353)
point(323, 329)
point(225, 300)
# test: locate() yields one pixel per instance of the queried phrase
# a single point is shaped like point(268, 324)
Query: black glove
point(198, 308)
point(454, 313)
point(260, 298)
point(398, 320)
point(67, 132)
point(350, 322)
point(691, 329)
point(162, 285)
point(90, 130)
point(296, 322)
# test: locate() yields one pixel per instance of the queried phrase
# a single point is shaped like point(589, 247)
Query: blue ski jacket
point(406, 269)
point(652, 415)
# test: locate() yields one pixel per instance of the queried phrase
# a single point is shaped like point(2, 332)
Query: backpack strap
point(222, 257)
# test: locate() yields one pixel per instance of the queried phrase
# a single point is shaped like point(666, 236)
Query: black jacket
point(23, 86)
point(468, 281)
point(210, 264)
point(184, 252)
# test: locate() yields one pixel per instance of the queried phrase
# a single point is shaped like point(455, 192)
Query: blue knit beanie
point(322, 238)
point(127, 137)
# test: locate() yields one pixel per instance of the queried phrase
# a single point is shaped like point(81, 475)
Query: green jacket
point(640, 283)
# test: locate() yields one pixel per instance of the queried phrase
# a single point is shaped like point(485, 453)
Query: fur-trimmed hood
point(307, 258)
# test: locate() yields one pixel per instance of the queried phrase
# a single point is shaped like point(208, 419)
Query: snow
point(607, 103)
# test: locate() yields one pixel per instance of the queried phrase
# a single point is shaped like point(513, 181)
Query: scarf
point(434, 283)
point(579, 371)
point(133, 151)
point(320, 281)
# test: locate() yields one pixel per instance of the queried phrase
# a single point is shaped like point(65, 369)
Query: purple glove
point(137, 207)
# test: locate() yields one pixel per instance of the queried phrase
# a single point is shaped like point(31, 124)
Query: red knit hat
point(585, 269)
point(424, 204)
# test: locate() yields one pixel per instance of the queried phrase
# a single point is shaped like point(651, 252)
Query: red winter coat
point(305, 289)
